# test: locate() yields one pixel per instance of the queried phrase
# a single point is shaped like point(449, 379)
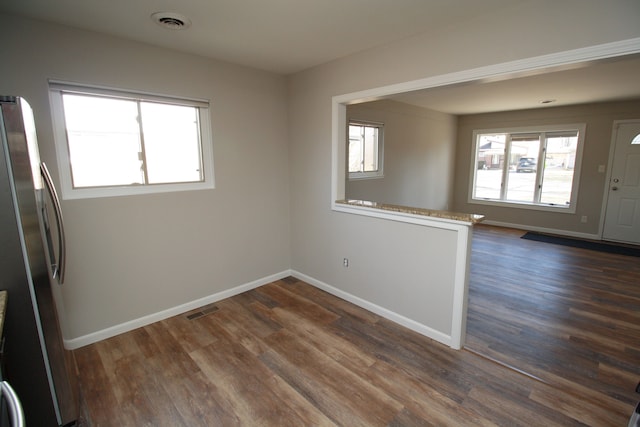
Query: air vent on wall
point(171, 21)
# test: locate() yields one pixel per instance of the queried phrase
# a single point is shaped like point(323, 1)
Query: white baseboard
point(103, 334)
point(565, 233)
point(381, 311)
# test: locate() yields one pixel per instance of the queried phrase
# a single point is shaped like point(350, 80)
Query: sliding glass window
point(531, 168)
point(111, 142)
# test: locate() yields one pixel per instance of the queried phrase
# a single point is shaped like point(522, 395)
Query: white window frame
point(380, 148)
point(570, 208)
point(57, 88)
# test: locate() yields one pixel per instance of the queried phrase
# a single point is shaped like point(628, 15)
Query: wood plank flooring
point(288, 354)
point(561, 314)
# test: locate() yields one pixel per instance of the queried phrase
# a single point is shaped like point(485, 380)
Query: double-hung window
point(365, 149)
point(112, 142)
point(535, 168)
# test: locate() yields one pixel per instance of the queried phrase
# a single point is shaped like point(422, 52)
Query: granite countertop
point(455, 216)
point(3, 307)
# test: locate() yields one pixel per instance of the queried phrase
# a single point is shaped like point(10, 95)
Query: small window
point(636, 140)
point(534, 168)
point(365, 150)
point(112, 143)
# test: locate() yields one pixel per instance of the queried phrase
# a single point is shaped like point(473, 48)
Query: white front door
point(622, 217)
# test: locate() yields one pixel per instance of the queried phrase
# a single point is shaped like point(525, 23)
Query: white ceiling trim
point(519, 68)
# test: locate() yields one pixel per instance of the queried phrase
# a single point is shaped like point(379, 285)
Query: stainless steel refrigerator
point(32, 261)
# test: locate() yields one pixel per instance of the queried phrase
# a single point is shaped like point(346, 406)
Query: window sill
point(132, 190)
point(361, 176)
point(529, 206)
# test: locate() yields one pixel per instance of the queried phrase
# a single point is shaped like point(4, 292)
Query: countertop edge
point(431, 213)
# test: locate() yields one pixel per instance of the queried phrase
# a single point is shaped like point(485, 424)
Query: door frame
point(612, 152)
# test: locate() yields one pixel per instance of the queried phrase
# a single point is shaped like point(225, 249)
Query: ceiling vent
point(171, 21)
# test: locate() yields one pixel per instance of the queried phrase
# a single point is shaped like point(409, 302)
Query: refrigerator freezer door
point(37, 365)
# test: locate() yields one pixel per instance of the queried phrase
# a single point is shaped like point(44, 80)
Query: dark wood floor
point(289, 354)
point(557, 313)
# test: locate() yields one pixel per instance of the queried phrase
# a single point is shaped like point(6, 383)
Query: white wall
point(321, 236)
point(419, 148)
point(134, 256)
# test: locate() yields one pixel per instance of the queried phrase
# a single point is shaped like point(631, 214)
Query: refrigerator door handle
point(13, 403)
point(60, 267)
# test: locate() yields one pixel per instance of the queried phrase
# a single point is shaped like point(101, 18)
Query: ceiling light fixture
point(171, 20)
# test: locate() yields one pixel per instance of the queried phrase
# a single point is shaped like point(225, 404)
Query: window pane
point(489, 166)
point(356, 148)
point(370, 163)
point(558, 169)
point(523, 161)
point(172, 143)
point(104, 143)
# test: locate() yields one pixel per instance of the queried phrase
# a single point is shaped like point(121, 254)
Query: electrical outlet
point(345, 262)
point(583, 219)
